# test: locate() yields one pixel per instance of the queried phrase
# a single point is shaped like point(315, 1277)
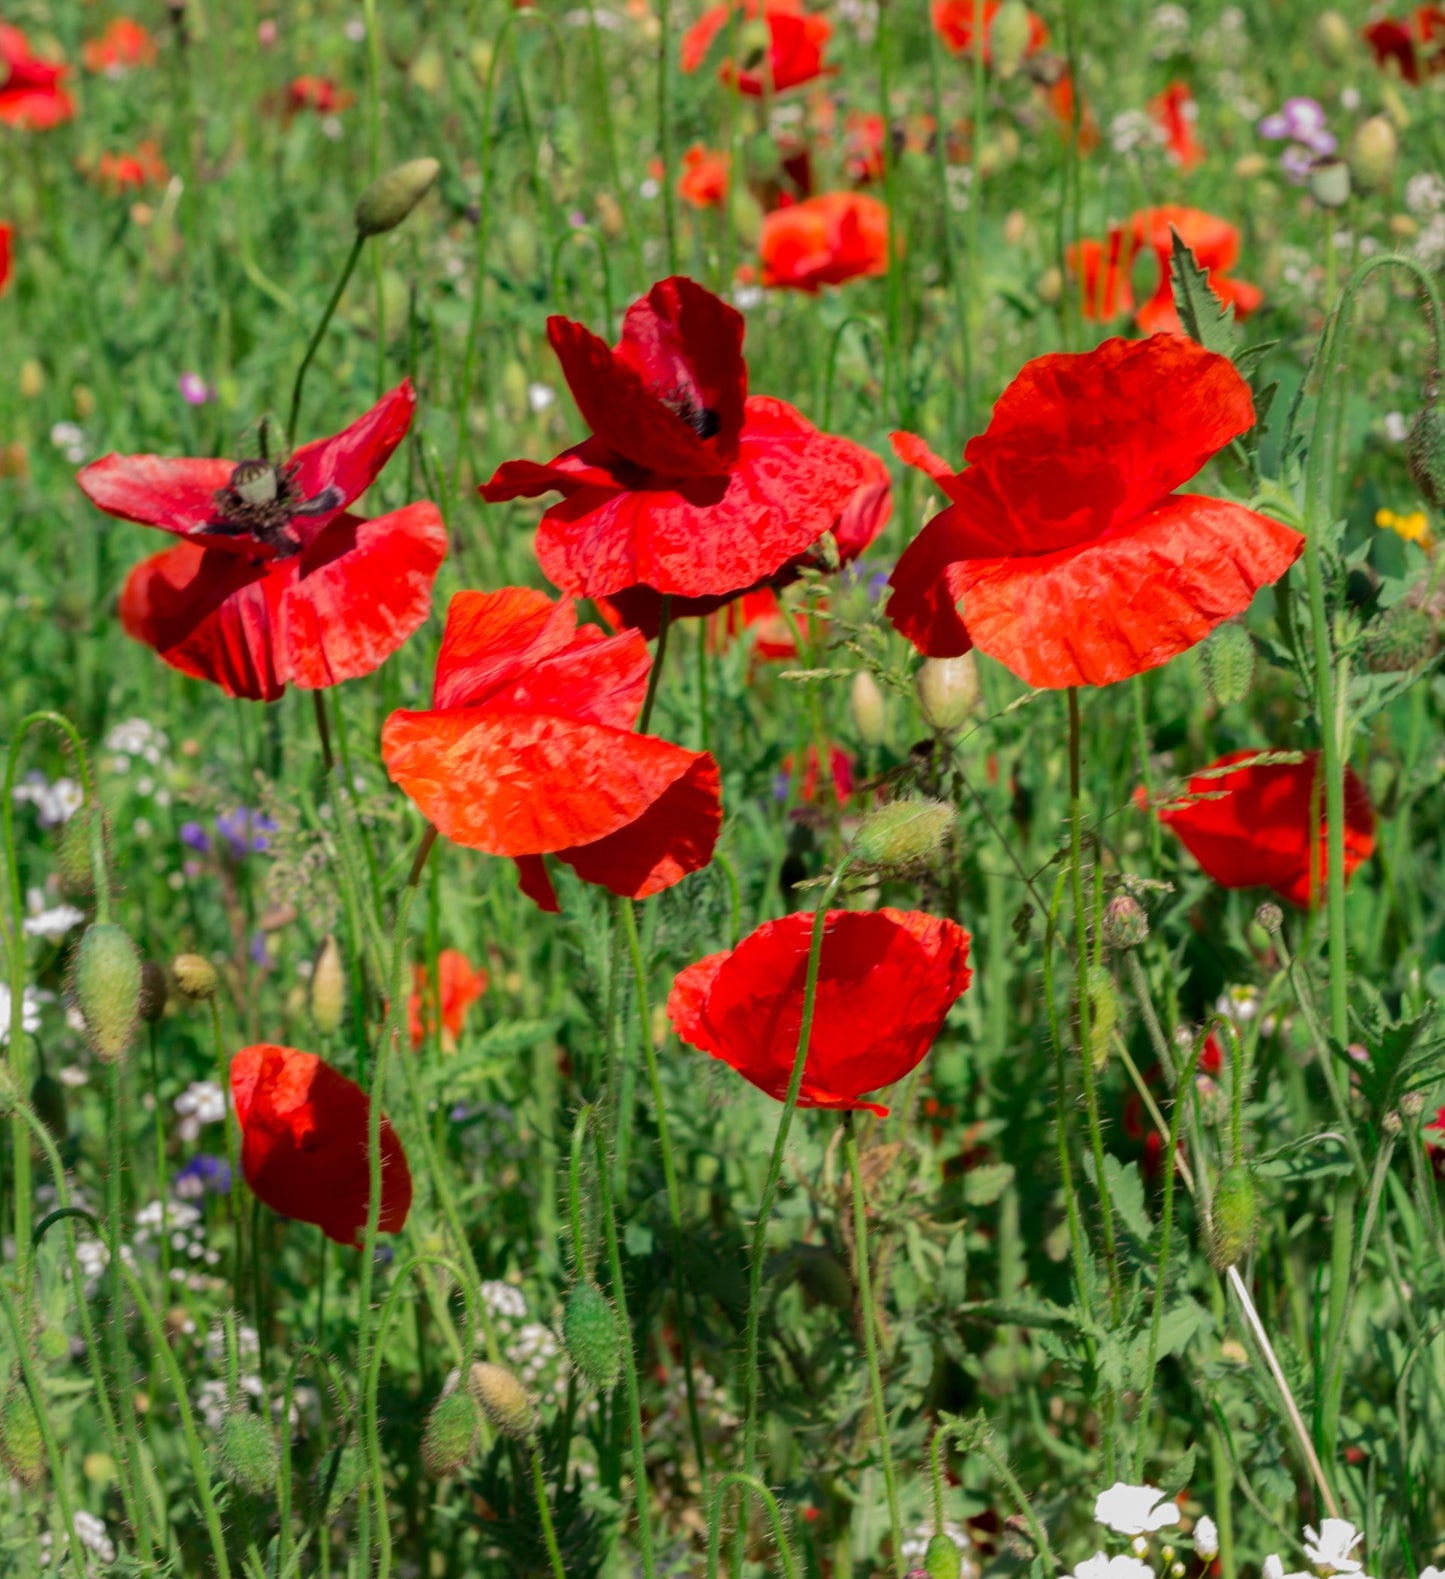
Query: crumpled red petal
point(352, 459)
point(177, 495)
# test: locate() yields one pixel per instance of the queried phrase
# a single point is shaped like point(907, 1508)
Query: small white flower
point(1432, 1572)
point(540, 397)
point(1134, 1510)
point(51, 924)
point(1206, 1539)
point(648, 189)
point(1273, 1568)
point(355, 30)
point(56, 803)
point(1102, 1566)
point(1331, 1547)
point(29, 1012)
point(91, 1532)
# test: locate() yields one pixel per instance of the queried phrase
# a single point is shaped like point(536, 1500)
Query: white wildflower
point(1134, 1510)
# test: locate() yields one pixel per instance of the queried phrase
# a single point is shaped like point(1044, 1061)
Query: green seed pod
point(1125, 923)
point(1425, 452)
point(942, 1559)
point(451, 1432)
point(47, 1097)
point(904, 836)
point(391, 197)
point(76, 869)
point(1008, 37)
point(248, 1453)
point(106, 980)
point(1103, 1014)
point(504, 1400)
point(1404, 637)
point(593, 1336)
point(947, 692)
point(868, 708)
point(1236, 1217)
point(22, 1448)
point(1372, 154)
point(195, 975)
point(328, 988)
point(1333, 38)
point(154, 991)
point(1227, 658)
point(1329, 181)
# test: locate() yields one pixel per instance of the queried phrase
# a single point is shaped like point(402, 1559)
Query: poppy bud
point(1008, 37)
point(593, 1337)
point(391, 197)
point(1125, 924)
point(1412, 1104)
point(248, 1453)
point(451, 1431)
point(76, 867)
point(903, 836)
point(1236, 1217)
point(47, 1097)
point(1330, 182)
point(1227, 658)
point(1103, 1014)
point(609, 215)
point(947, 692)
point(1333, 38)
point(1372, 153)
point(154, 991)
point(1425, 453)
point(747, 216)
point(1270, 917)
point(22, 1448)
point(32, 379)
point(427, 72)
point(519, 246)
point(1404, 637)
point(195, 975)
point(869, 711)
point(1049, 287)
point(942, 1559)
point(106, 980)
point(504, 1400)
point(328, 988)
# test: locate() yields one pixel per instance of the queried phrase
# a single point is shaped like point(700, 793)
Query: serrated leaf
point(1179, 1327)
point(1313, 1157)
point(1127, 1191)
point(982, 1186)
point(1179, 1473)
point(1206, 319)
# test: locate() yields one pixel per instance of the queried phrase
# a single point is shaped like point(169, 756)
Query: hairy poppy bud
point(593, 1336)
point(195, 975)
point(248, 1453)
point(1008, 37)
point(1125, 924)
point(106, 979)
point(1425, 453)
point(947, 692)
point(9, 1091)
point(1333, 38)
point(1330, 182)
point(22, 1448)
point(1372, 153)
point(942, 1559)
point(391, 197)
point(1103, 1014)
point(1227, 658)
point(451, 1431)
point(866, 704)
point(1404, 637)
point(504, 1400)
point(903, 836)
point(1236, 1217)
point(328, 988)
point(154, 990)
point(76, 866)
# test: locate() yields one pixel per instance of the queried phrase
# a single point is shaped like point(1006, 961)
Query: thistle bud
point(591, 1331)
point(1103, 1014)
point(504, 1400)
point(328, 988)
point(1236, 1217)
point(106, 980)
point(248, 1453)
point(1227, 659)
point(451, 1431)
point(154, 991)
point(195, 975)
point(1330, 182)
point(1008, 37)
point(1333, 38)
point(1425, 452)
point(22, 1448)
point(947, 692)
point(942, 1559)
point(1125, 923)
point(866, 704)
point(1372, 154)
point(391, 197)
point(903, 836)
point(1404, 637)
point(1270, 917)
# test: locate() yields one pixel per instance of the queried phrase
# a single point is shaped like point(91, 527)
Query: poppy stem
point(664, 127)
point(664, 624)
point(544, 1511)
point(223, 1077)
point(775, 1518)
point(323, 730)
point(294, 416)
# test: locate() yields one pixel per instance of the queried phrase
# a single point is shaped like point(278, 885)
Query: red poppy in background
point(1251, 827)
point(824, 240)
point(704, 178)
point(131, 172)
point(318, 94)
point(1416, 47)
point(953, 22)
point(793, 53)
point(276, 582)
point(841, 777)
point(31, 95)
point(304, 1143)
point(458, 988)
point(7, 238)
point(529, 750)
point(886, 981)
point(123, 46)
point(688, 486)
point(1075, 560)
point(1176, 113)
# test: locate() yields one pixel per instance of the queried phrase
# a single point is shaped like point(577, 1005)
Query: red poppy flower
point(276, 582)
point(529, 750)
point(1251, 827)
point(131, 172)
point(304, 1143)
point(793, 53)
point(704, 178)
point(687, 486)
point(318, 94)
point(31, 95)
point(1176, 113)
point(841, 778)
point(458, 988)
point(7, 237)
point(886, 981)
point(953, 22)
point(1416, 48)
point(1076, 562)
point(824, 240)
point(124, 45)
point(1059, 96)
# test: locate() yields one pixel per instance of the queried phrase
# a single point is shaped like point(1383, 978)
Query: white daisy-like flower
point(29, 1012)
point(1102, 1566)
point(1206, 1539)
point(1273, 1568)
point(1134, 1510)
point(1331, 1547)
point(53, 923)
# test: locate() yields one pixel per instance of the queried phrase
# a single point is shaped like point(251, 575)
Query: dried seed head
point(593, 1336)
point(106, 980)
point(904, 836)
point(195, 975)
point(391, 197)
point(504, 1400)
point(450, 1434)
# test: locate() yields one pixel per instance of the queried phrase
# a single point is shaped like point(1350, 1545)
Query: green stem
point(1000, 1467)
point(664, 624)
point(664, 128)
point(544, 1512)
point(775, 1518)
point(294, 415)
point(223, 1077)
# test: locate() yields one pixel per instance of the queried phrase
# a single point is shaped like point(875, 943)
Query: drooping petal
point(913, 451)
point(926, 585)
point(535, 882)
point(586, 465)
point(491, 636)
point(176, 495)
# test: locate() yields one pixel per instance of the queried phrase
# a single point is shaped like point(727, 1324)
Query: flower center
point(703, 420)
point(261, 500)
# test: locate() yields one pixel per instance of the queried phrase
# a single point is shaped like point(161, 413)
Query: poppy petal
point(492, 636)
point(351, 460)
point(912, 451)
point(585, 465)
point(535, 882)
point(926, 585)
point(177, 495)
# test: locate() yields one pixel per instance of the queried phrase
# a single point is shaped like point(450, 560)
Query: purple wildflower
point(245, 831)
point(195, 391)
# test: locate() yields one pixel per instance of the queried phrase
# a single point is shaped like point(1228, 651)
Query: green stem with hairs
point(328, 312)
point(775, 1518)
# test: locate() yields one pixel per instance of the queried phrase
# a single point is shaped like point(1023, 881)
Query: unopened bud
point(942, 1559)
point(154, 990)
point(328, 988)
point(451, 1432)
point(870, 712)
point(1412, 1104)
point(504, 1400)
point(106, 980)
point(1008, 36)
point(1125, 924)
point(593, 1336)
point(1235, 1211)
point(1404, 637)
point(947, 692)
point(1333, 38)
point(1270, 917)
point(248, 1453)
point(1425, 453)
point(76, 867)
point(1103, 1014)
point(1372, 153)
point(1227, 659)
point(195, 975)
point(1393, 1125)
point(755, 40)
point(22, 1448)
point(391, 197)
point(903, 836)
point(1330, 182)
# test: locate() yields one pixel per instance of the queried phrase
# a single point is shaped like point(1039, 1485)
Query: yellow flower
point(1412, 528)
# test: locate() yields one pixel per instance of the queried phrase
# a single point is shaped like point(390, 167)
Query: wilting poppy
point(886, 981)
point(31, 95)
point(131, 172)
point(953, 21)
point(704, 178)
point(1416, 48)
point(1176, 113)
point(688, 486)
point(276, 582)
point(304, 1143)
point(1075, 561)
point(1251, 827)
point(529, 750)
point(824, 240)
point(320, 95)
point(123, 46)
point(782, 45)
point(458, 988)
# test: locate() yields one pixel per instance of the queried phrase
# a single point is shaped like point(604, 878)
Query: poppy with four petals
point(824, 240)
point(886, 981)
point(1073, 558)
point(276, 583)
point(782, 45)
point(31, 93)
point(529, 750)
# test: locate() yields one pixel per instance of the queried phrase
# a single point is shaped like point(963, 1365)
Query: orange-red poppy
point(1175, 112)
point(31, 93)
point(704, 178)
point(953, 20)
point(824, 240)
point(131, 172)
point(458, 985)
point(318, 94)
point(123, 46)
point(787, 52)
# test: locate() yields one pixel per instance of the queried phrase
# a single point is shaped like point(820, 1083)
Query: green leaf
point(1207, 320)
point(1179, 1327)
point(1179, 1473)
point(1127, 1190)
point(983, 1186)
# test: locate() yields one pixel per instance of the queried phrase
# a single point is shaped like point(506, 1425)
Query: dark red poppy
point(1075, 561)
point(31, 95)
point(704, 178)
point(791, 55)
point(1176, 113)
point(320, 95)
point(1416, 48)
point(886, 981)
point(953, 21)
point(458, 985)
point(123, 46)
point(824, 240)
point(304, 1143)
point(529, 750)
point(688, 486)
point(276, 582)
point(7, 238)
point(1250, 828)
